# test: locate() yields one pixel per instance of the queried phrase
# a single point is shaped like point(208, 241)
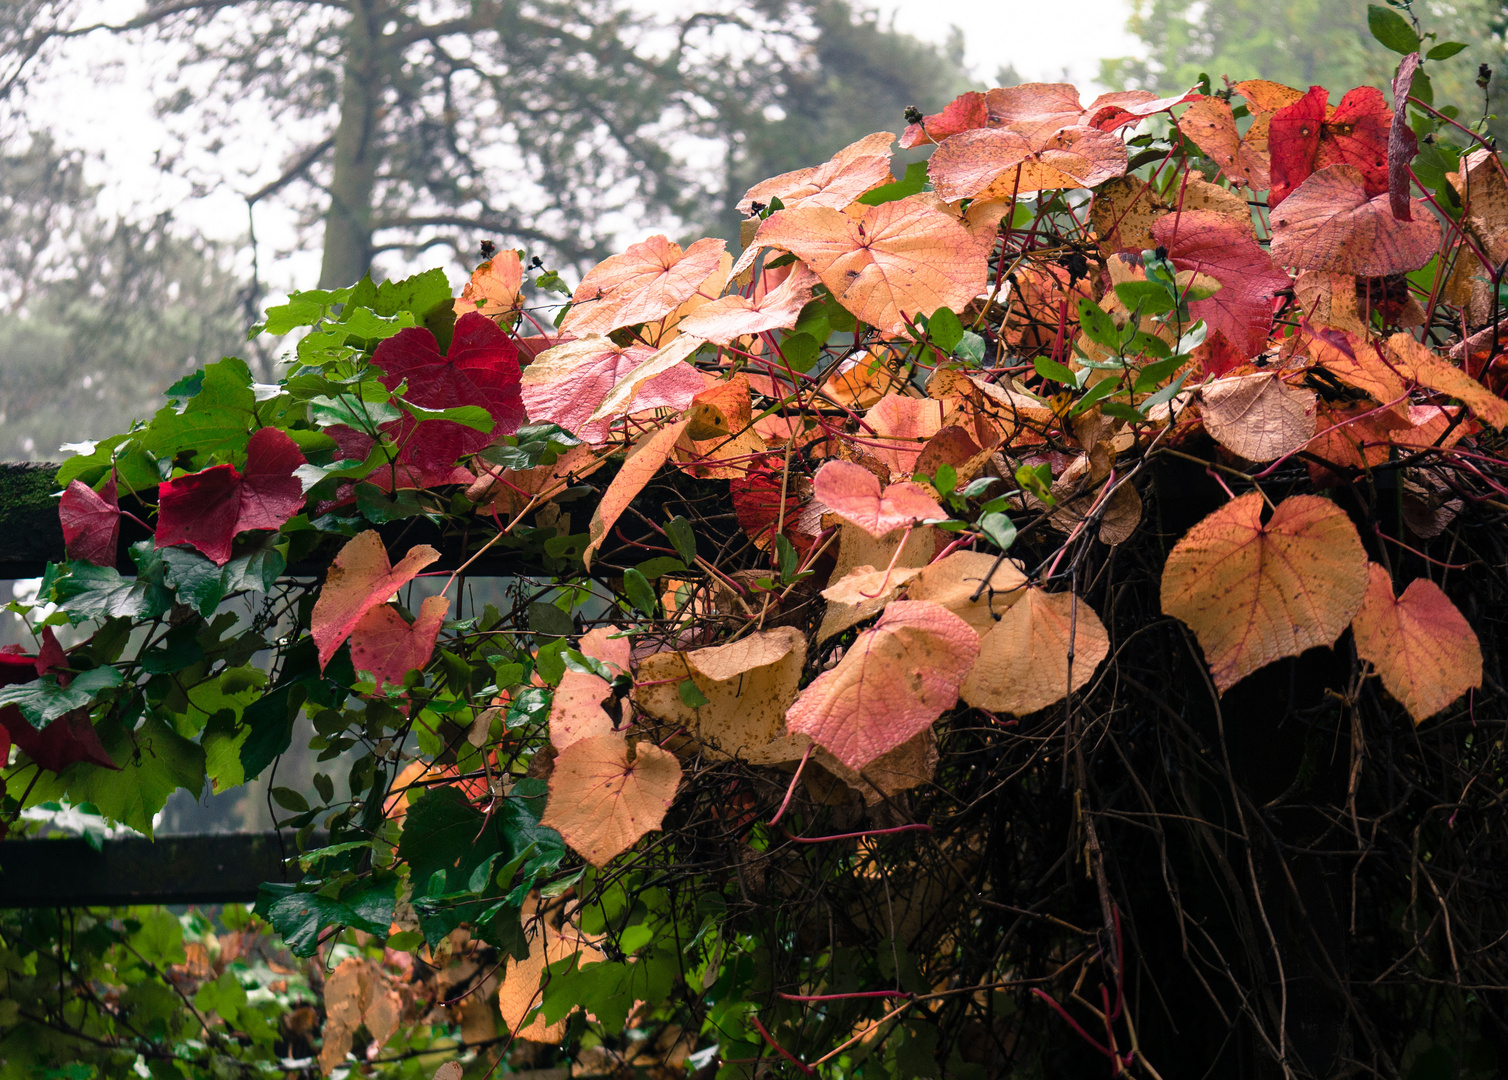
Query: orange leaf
point(1000, 163)
point(722, 321)
point(667, 365)
point(519, 994)
point(892, 683)
point(646, 282)
point(1330, 223)
point(963, 113)
point(1424, 650)
point(854, 493)
point(902, 426)
point(494, 288)
point(1256, 592)
point(605, 794)
point(1023, 659)
point(360, 579)
point(1416, 362)
point(835, 183)
point(644, 460)
point(1354, 360)
point(900, 258)
point(387, 646)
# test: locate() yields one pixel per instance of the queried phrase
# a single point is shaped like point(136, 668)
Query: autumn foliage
point(929, 599)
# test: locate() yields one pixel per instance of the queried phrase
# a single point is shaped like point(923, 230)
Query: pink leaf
point(387, 646)
point(360, 579)
point(854, 492)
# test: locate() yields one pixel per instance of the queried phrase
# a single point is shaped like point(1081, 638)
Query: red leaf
point(756, 500)
point(51, 659)
point(69, 738)
point(360, 579)
point(1241, 311)
point(1307, 136)
point(387, 646)
point(91, 522)
point(480, 369)
point(208, 508)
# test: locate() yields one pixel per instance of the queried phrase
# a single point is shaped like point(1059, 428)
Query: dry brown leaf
point(451, 1070)
point(857, 548)
point(1329, 300)
point(606, 794)
point(1424, 650)
point(748, 684)
point(860, 595)
point(908, 766)
point(1023, 661)
point(1258, 417)
point(348, 992)
point(951, 582)
point(1254, 592)
point(494, 289)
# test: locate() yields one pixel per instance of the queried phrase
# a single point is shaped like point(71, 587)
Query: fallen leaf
point(91, 522)
point(360, 578)
point(1330, 223)
point(566, 384)
point(1255, 592)
point(1258, 417)
point(892, 683)
point(1023, 661)
point(749, 684)
point(606, 794)
point(389, 647)
point(1424, 650)
point(731, 317)
point(645, 283)
point(1002, 163)
point(835, 183)
point(494, 289)
point(1419, 364)
point(898, 260)
point(900, 548)
point(348, 990)
point(951, 583)
point(207, 509)
point(648, 453)
point(854, 493)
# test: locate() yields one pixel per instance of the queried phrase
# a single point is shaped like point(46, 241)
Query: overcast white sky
point(108, 112)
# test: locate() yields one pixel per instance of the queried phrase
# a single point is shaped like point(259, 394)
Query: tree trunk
point(348, 220)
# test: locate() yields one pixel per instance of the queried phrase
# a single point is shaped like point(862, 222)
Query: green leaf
point(691, 695)
point(683, 538)
point(587, 665)
point(289, 799)
point(1049, 368)
point(1151, 376)
point(913, 183)
point(789, 558)
point(1121, 410)
point(800, 351)
point(1392, 29)
point(1445, 50)
point(637, 587)
point(302, 309)
point(1097, 326)
point(1167, 393)
point(1097, 392)
point(1152, 296)
point(944, 329)
point(438, 833)
point(1037, 479)
point(44, 700)
point(529, 706)
point(998, 529)
point(471, 416)
point(198, 581)
point(971, 347)
point(659, 566)
point(546, 618)
point(379, 507)
point(154, 761)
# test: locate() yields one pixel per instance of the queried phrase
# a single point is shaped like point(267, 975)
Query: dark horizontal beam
point(218, 869)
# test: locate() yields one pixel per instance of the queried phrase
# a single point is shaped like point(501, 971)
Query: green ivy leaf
point(1392, 29)
point(639, 592)
point(691, 695)
point(998, 529)
point(45, 699)
point(912, 183)
point(945, 330)
point(683, 538)
point(1097, 326)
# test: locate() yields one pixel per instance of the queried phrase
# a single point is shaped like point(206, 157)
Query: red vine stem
point(782, 1051)
point(792, 789)
point(856, 835)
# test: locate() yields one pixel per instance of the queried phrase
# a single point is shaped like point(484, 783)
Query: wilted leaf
point(859, 595)
point(207, 509)
point(834, 184)
point(1330, 223)
point(952, 582)
point(899, 259)
point(731, 317)
point(853, 492)
point(606, 794)
point(1424, 650)
point(1258, 417)
point(91, 522)
point(648, 453)
point(1255, 592)
point(1023, 660)
point(1002, 163)
point(359, 579)
point(566, 384)
point(908, 766)
point(892, 683)
point(747, 685)
point(387, 646)
point(645, 283)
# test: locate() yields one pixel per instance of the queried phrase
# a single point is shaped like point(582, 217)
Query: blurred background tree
point(407, 126)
